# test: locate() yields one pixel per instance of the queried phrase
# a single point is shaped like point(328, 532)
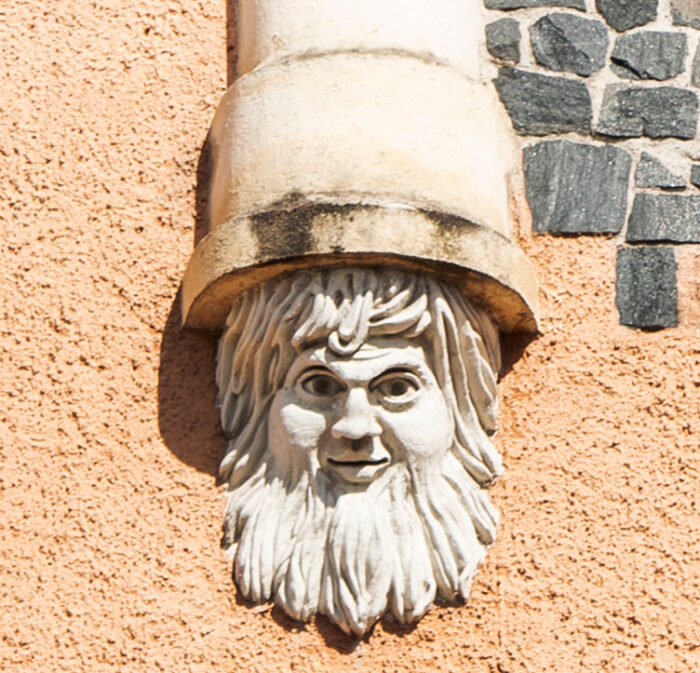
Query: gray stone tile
point(540, 105)
point(651, 173)
point(670, 218)
point(569, 43)
point(503, 40)
point(576, 188)
point(646, 291)
point(625, 14)
point(661, 112)
point(650, 54)
point(520, 4)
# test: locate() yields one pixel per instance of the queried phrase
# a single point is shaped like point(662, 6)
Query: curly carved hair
point(344, 307)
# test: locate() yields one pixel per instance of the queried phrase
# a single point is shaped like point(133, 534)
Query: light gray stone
point(571, 43)
point(686, 13)
point(575, 188)
point(503, 40)
point(539, 105)
point(520, 4)
point(662, 112)
point(650, 55)
point(646, 291)
point(651, 173)
point(672, 218)
point(625, 14)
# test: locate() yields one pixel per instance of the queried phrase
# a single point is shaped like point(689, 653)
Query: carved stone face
point(356, 417)
point(359, 406)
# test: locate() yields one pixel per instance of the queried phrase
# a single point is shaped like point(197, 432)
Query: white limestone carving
point(359, 406)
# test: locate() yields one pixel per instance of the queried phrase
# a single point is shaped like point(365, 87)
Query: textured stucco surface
point(109, 514)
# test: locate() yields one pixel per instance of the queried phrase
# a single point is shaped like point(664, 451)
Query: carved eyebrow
point(316, 368)
point(394, 370)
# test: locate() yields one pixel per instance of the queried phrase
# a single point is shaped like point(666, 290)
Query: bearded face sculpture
point(359, 406)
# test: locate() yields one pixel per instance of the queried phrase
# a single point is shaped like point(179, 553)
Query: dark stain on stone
point(285, 230)
point(452, 225)
point(282, 233)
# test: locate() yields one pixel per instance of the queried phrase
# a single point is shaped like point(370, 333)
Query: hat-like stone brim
point(487, 267)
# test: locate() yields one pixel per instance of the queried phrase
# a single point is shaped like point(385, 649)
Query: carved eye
point(397, 387)
point(321, 385)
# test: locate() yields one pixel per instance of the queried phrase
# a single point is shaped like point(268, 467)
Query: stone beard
point(359, 407)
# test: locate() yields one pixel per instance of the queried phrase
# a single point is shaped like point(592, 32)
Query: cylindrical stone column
point(361, 132)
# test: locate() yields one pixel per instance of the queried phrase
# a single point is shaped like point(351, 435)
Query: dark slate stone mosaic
point(539, 104)
point(650, 55)
point(520, 4)
point(662, 112)
point(647, 296)
point(503, 40)
point(569, 43)
point(575, 188)
point(651, 173)
point(625, 14)
point(670, 218)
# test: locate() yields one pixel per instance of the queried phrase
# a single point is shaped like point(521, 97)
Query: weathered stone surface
point(576, 188)
point(647, 296)
point(520, 4)
point(674, 218)
point(567, 42)
point(503, 40)
point(539, 105)
point(686, 13)
point(695, 175)
point(625, 14)
point(695, 75)
point(663, 112)
point(651, 173)
point(650, 55)
point(272, 31)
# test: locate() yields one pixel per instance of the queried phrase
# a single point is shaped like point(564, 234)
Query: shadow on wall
point(188, 419)
point(332, 635)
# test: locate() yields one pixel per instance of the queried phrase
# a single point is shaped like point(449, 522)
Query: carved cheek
point(424, 430)
point(300, 428)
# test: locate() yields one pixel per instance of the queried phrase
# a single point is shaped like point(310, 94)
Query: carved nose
point(357, 420)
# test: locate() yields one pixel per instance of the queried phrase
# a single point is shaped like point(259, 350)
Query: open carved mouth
point(358, 463)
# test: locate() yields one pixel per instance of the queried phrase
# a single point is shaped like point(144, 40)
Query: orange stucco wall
point(109, 513)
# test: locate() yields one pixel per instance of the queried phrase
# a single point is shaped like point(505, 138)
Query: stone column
point(357, 130)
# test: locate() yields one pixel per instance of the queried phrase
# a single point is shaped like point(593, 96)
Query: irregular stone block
point(695, 175)
point(520, 4)
point(651, 173)
point(663, 112)
point(573, 188)
point(695, 74)
point(650, 55)
point(673, 218)
point(625, 14)
point(566, 42)
point(503, 40)
point(686, 13)
point(539, 105)
point(647, 295)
